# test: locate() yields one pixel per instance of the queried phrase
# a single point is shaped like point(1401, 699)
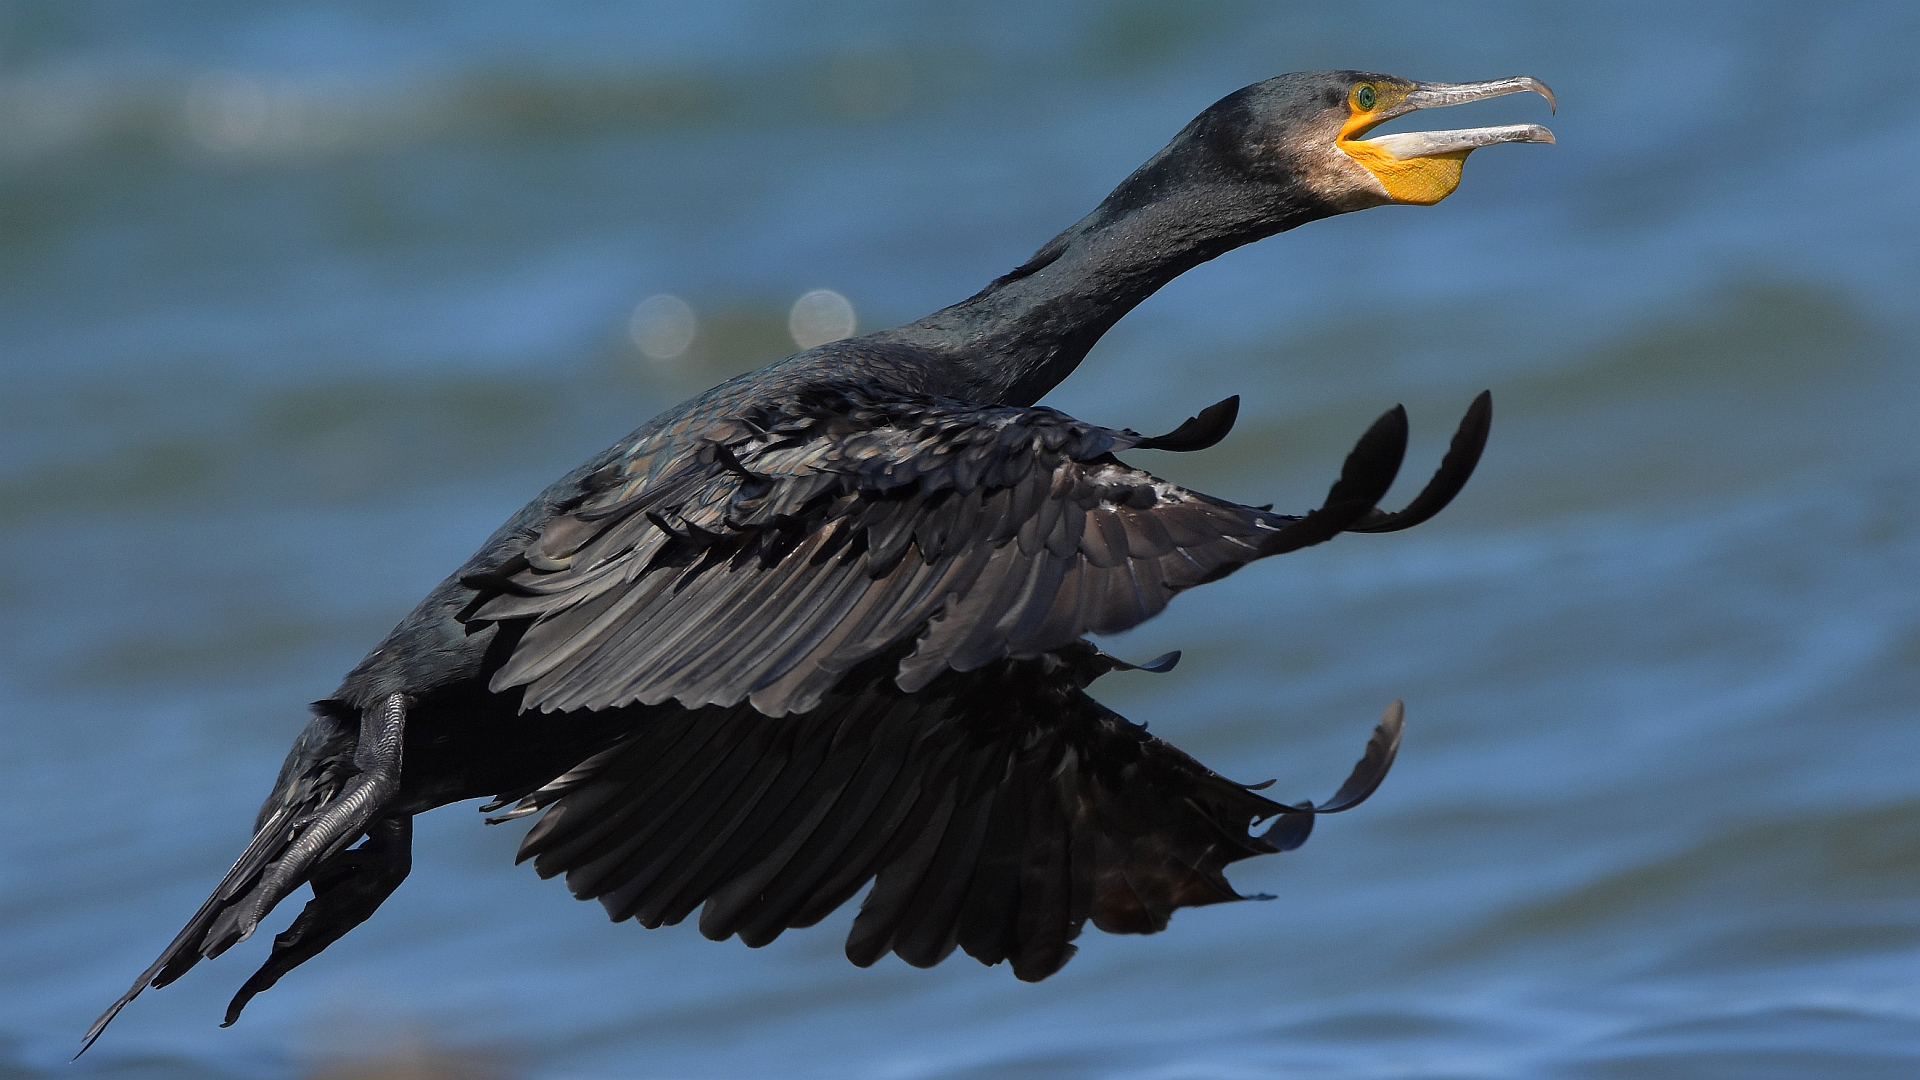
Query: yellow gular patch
point(1421, 181)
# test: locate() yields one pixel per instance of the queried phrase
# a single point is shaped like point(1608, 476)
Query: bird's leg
point(338, 823)
point(348, 886)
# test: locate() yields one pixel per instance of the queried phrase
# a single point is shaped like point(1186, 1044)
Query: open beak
point(1412, 144)
point(1423, 167)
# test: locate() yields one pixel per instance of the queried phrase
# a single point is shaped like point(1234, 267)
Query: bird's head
point(1262, 160)
point(1307, 133)
point(1304, 135)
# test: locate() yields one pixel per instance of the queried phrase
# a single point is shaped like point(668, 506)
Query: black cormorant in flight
point(825, 623)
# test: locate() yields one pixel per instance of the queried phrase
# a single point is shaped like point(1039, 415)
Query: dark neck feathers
point(1195, 200)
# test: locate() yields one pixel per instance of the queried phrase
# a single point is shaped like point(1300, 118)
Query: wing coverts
point(805, 538)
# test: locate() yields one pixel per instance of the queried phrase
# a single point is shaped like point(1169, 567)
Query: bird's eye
point(1365, 97)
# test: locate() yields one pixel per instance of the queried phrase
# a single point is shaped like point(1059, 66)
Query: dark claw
point(347, 887)
point(1199, 432)
point(1447, 481)
point(1364, 480)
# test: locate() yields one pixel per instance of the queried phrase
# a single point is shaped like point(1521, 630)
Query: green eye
point(1365, 97)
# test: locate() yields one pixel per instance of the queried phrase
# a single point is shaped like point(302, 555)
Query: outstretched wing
point(996, 811)
point(797, 542)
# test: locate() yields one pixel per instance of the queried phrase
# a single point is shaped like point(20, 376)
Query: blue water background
point(298, 301)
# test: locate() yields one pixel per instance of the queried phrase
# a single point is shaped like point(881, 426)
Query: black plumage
point(825, 624)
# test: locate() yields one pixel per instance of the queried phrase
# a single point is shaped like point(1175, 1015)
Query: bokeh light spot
point(663, 326)
point(819, 317)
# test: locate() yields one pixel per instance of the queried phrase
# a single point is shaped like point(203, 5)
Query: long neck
point(1021, 335)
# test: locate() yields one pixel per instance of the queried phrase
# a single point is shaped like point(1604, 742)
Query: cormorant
point(824, 624)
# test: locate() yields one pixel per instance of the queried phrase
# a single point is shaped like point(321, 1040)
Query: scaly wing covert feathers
point(806, 538)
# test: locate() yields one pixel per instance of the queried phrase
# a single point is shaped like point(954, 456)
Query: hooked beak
point(1412, 144)
point(1423, 167)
